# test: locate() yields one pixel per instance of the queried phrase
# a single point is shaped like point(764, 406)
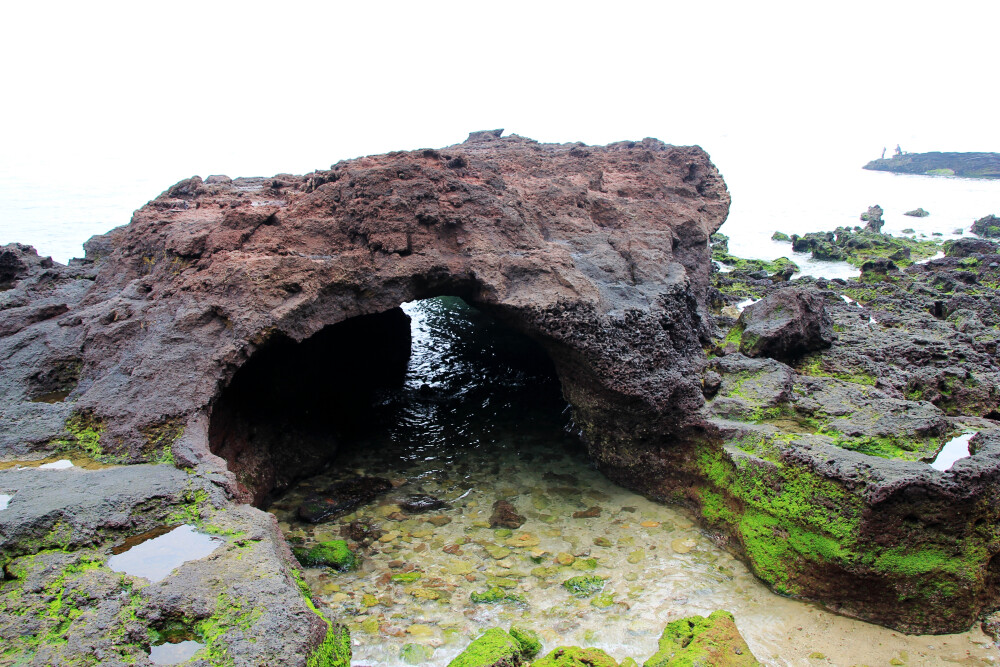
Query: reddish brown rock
point(505, 516)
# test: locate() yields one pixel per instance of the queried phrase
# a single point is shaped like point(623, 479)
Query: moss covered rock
point(574, 656)
point(696, 640)
point(494, 648)
point(584, 587)
point(531, 643)
point(335, 554)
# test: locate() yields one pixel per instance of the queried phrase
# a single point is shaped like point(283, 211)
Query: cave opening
point(429, 381)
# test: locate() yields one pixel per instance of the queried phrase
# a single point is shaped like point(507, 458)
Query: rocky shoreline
point(798, 429)
point(965, 165)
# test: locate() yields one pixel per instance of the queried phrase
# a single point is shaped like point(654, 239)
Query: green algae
point(574, 656)
point(334, 554)
point(495, 594)
point(335, 651)
point(531, 643)
point(699, 641)
point(584, 586)
point(406, 577)
point(493, 647)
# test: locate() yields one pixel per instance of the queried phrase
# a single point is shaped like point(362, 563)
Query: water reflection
point(953, 450)
point(480, 419)
point(172, 654)
point(155, 554)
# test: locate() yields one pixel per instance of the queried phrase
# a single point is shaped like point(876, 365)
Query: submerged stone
point(341, 498)
point(584, 586)
point(494, 648)
point(697, 640)
point(335, 554)
point(505, 515)
point(574, 656)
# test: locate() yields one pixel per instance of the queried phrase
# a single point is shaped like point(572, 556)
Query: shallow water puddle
point(172, 654)
point(155, 554)
point(61, 464)
point(411, 600)
point(56, 462)
point(953, 450)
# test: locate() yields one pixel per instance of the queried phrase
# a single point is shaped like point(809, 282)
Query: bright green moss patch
point(701, 641)
point(531, 643)
point(335, 651)
point(495, 594)
point(406, 577)
point(814, 365)
point(574, 656)
point(583, 587)
point(491, 648)
point(335, 554)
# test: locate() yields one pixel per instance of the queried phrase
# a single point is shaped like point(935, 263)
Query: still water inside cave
point(479, 418)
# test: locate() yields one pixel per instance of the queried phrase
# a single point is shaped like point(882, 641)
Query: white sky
point(233, 84)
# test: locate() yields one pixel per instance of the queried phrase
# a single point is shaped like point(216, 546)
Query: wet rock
point(420, 502)
point(968, 247)
point(414, 654)
point(574, 656)
point(362, 531)
point(873, 218)
point(589, 513)
point(439, 520)
point(785, 325)
point(917, 213)
point(987, 227)
point(505, 516)
point(697, 640)
point(584, 586)
point(991, 625)
point(494, 648)
point(334, 554)
point(495, 595)
point(341, 498)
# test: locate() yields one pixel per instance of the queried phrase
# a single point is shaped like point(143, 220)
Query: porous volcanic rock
point(785, 325)
point(161, 344)
point(817, 469)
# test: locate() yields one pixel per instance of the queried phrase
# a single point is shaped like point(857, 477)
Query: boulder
point(505, 516)
point(697, 640)
point(785, 325)
point(917, 213)
point(342, 497)
point(873, 218)
point(987, 227)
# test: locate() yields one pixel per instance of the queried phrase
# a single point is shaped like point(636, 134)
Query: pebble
point(439, 520)
point(650, 524)
point(389, 537)
point(589, 513)
point(565, 558)
point(523, 540)
point(683, 545)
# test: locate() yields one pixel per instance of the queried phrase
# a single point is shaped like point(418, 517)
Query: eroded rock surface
point(162, 343)
point(823, 478)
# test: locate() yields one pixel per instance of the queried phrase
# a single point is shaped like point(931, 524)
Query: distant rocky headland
point(966, 165)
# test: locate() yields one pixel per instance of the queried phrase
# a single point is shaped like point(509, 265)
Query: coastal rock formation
point(823, 479)
point(785, 325)
point(967, 165)
point(987, 227)
point(233, 324)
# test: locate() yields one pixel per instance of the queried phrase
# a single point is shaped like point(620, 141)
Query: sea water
point(477, 420)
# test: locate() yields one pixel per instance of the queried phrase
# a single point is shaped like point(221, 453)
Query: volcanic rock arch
point(601, 253)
